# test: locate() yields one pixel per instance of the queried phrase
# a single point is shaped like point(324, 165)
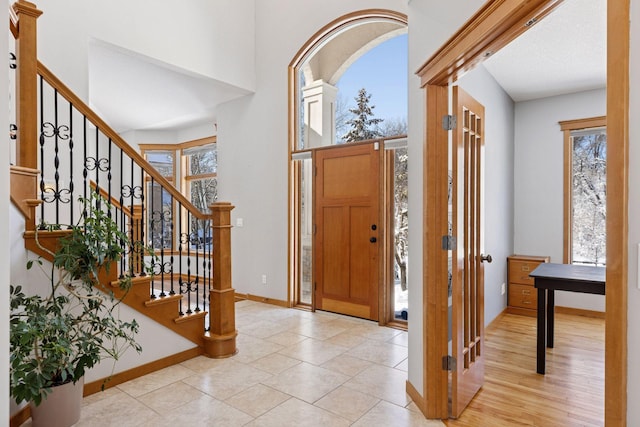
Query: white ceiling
point(563, 53)
point(133, 92)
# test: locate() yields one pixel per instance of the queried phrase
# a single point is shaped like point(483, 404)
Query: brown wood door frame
point(496, 24)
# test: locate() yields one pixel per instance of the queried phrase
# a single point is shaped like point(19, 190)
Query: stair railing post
point(221, 340)
point(27, 85)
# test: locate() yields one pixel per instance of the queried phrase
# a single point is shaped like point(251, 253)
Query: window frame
point(567, 127)
point(181, 178)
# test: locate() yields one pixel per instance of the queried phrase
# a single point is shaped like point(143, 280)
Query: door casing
point(495, 25)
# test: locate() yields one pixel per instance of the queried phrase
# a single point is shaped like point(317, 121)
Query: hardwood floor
point(570, 394)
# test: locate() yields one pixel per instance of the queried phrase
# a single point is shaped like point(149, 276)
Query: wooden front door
point(467, 266)
point(347, 229)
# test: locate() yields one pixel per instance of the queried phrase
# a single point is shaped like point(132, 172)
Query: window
point(195, 176)
point(200, 166)
point(200, 175)
point(159, 204)
point(585, 190)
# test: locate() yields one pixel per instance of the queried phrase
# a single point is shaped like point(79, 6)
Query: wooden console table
point(560, 277)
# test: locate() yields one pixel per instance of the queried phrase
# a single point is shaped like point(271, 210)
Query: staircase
point(64, 151)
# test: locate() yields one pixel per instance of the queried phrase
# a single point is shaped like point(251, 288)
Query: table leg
point(550, 316)
point(541, 331)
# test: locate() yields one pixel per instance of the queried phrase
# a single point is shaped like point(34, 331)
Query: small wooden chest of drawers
point(523, 296)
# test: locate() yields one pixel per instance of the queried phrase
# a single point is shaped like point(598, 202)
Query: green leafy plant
point(56, 337)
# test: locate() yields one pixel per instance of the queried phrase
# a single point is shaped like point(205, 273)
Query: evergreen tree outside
point(363, 126)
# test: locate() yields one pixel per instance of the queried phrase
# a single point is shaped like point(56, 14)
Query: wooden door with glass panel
point(468, 260)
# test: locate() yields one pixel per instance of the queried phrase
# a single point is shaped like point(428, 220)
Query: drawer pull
point(525, 268)
point(526, 292)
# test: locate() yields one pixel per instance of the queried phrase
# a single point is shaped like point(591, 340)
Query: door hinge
point(315, 229)
point(449, 243)
point(448, 363)
point(315, 286)
point(315, 171)
point(449, 122)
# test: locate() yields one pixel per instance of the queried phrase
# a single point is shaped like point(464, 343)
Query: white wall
point(213, 39)
point(4, 231)
point(252, 142)
point(633, 409)
point(539, 178)
point(498, 185)
point(430, 25)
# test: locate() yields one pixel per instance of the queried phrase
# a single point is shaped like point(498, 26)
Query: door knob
point(487, 258)
point(373, 240)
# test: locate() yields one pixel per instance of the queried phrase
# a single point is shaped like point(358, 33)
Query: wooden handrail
point(63, 90)
point(13, 22)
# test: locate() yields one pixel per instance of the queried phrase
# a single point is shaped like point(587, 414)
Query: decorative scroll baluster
point(41, 141)
point(188, 284)
point(152, 231)
point(143, 221)
point(172, 241)
point(199, 242)
point(133, 237)
point(56, 157)
point(180, 245)
point(207, 267)
point(109, 214)
point(70, 189)
point(121, 217)
point(85, 172)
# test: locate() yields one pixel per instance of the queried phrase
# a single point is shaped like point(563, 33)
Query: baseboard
point(580, 312)
point(495, 321)
point(20, 417)
point(138, 371)
point(416, 397)
point(272, 301)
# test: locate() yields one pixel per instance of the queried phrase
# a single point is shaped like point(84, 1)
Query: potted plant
point(55, 338)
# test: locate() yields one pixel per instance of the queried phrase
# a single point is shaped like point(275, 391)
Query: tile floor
point(293, 368)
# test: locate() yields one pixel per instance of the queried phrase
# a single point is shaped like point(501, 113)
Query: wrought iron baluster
point(85, 172)
point(134, 244)
point(97, 156)
point(56, 157)
point(42, 220)
point(172, 244)
point(109, 214)
point(121, 217)
point(162, 222)
point(208, 269)
point(71, 202)
point(152, 231)
point(181, 241)
point(143, 220)
point(198, 248)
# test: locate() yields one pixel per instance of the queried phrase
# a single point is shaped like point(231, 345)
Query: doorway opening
point(317, 122)
point(444, 68)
